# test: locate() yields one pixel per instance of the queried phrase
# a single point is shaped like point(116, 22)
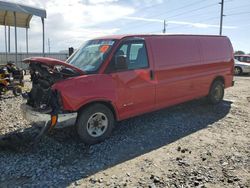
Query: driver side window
point(135, 54)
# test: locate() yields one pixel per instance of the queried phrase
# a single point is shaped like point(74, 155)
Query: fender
point(79, 91)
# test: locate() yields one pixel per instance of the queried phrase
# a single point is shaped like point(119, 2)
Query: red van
point(117, 77)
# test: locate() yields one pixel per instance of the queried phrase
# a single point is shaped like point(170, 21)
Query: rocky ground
point(189, 145)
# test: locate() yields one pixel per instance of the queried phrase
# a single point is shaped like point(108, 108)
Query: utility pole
point(164, 26)
point(49, 45)
point(221, 15)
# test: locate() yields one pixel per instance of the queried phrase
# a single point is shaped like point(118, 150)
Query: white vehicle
point(241, 67)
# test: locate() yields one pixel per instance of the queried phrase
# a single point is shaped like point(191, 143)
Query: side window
point(247, 59)
point(138, 56)
point(135, 54)
point(134, 49)
point(124, 49)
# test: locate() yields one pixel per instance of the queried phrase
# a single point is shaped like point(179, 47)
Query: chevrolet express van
point(118, 77)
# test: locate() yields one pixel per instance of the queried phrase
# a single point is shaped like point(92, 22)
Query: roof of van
point(144, 35)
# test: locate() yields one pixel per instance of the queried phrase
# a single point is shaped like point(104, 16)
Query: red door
point(135, 89)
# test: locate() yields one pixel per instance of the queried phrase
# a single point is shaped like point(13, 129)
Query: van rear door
point(134, 83)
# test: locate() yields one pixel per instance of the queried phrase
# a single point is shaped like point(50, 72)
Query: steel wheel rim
point(236, 71)
point(217, 92)
point(97, 124)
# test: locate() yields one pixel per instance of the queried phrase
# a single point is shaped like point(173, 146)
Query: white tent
point(18, 15)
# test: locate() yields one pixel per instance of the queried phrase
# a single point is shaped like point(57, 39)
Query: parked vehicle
point(11, 79)
point(117, 77)
point(243, 58)
point(241, 67)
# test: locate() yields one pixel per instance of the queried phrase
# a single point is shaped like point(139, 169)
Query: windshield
point(236, 61)
point(91, 55)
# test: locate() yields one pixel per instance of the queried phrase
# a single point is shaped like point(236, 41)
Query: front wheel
point(95, 123)
point(216, 92)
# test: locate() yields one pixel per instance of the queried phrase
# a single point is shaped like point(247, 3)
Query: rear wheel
point(237, 71)
point(95, 123)
point(216, 92)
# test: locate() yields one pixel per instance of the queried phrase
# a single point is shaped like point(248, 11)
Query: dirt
point(189, 145)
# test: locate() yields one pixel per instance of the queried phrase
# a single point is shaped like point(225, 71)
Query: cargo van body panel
point(135, 89)
point(143, 73)
point(135, 92)
point(185, 66)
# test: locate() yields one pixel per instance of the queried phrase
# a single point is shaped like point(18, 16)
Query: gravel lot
point(189, 145)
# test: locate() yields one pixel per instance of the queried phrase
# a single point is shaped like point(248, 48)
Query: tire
point(95, 123)
point(17, 91)
point(216, 92)
point(237, 71)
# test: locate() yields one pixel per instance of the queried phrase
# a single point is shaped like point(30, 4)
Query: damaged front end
point(44, 104)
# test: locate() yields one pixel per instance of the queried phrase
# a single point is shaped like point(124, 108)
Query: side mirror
point(120, 62)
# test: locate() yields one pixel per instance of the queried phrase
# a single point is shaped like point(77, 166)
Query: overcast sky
point(71, 22)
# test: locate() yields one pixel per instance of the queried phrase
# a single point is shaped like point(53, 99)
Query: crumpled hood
point(51, 63)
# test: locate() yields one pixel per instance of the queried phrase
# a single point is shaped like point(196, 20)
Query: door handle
point(151, 72)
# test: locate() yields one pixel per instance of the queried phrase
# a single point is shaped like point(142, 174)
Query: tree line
point(240, 52)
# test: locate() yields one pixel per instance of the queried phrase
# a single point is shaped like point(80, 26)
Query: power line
point(183, 13)
point(154, 15)
point(197, 9)
point(242, 6)
point(239, 13)
point(181, 26)
point(189, 5)
point(193, 10)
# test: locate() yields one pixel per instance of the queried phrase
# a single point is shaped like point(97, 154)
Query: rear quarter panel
point(218, 60)
point(185, 66)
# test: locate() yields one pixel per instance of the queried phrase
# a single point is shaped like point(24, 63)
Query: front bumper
point(63, 120)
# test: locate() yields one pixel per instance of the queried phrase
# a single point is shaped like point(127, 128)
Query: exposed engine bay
point(42, 97)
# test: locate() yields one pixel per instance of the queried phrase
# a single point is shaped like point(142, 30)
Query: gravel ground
point(189, 145)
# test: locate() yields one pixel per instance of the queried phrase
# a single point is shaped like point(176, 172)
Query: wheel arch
point(104, 102)
point(218, 78)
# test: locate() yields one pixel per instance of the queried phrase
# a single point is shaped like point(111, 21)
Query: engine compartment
point(41, 97)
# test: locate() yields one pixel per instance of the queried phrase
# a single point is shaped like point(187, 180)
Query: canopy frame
point(19, 15)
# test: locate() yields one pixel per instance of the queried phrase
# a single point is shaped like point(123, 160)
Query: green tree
point(239, 52)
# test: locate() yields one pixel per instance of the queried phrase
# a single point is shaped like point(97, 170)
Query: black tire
point(216, 92)
point(83, 124)
point(237, 71)
point(17, 91)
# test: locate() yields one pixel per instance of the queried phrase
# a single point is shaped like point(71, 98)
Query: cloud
point(71, 22)
point(192, 24)
point(101, 1)
point(144, 3)
point(143, 19)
